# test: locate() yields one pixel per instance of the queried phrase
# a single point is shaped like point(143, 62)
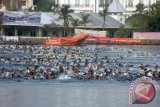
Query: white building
point(130, 5)
point(25, 4)
point(121, 9)
point(83, 5)
point(2, 7)
point(118, 9)
point(97, 5)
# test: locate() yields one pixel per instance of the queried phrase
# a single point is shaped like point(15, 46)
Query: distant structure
point(15, 4)
point(121, 9)
point(130, 5)
point(116, 7)
point(158, 1)
point(19, 23)
point(116, 10)
point(25, 4)
point(2, 7)
point(96, 5)
point(84, 5)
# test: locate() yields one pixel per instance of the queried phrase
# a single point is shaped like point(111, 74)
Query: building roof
point(96, 21)
point(116, 7)
point(49, 18)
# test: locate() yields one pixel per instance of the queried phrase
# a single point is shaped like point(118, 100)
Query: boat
point(66, 41)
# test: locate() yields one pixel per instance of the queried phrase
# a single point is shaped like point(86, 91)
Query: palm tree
point(103, 13)
point(75, 23)
point(53, 6)
point(64, 14)
point(85, 19)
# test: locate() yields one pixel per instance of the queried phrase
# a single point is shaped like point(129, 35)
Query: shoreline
point(39, 41)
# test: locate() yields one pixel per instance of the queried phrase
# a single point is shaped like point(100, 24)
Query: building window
point(33, 32)
point(101, 3)
point(126, 3)
point(130, 3)
point(141, 1)
point(20, 32)
point(69, 2)
point(149, 2)
point(87, 2)
point(77, 3)
point(121, 19)
point(9, 31)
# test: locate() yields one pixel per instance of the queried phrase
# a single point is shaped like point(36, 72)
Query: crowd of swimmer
point(55, 62)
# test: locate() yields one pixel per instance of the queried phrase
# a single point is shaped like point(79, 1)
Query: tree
point(153, 21)
point(103, 13)
point(44, 5)
point(51, 29)
point(75, 23)
point(85, 19)
point(138, 20)
point(140, 8)
point(146, 21)
point(64, 14)
point(122, 32)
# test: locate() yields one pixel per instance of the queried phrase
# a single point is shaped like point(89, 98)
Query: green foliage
point(75, 23)
point(1, 18)
point(64, 14)
point(138, 22)
point(153, 15)
point(146, 21)
point(85, 19)
point(48, 27)
point(122, 32)
point(44, 5)
point(140, 8)
point(104, 13)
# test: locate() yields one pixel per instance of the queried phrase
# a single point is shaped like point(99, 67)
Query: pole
point(11, 4)
point(95, 6)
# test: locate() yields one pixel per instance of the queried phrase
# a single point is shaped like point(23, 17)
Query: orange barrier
point(70, 41)
point(101, 39)
point(66, 41)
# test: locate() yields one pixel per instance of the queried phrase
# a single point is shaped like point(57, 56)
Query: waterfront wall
point(146, 35)
point(109, 41)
